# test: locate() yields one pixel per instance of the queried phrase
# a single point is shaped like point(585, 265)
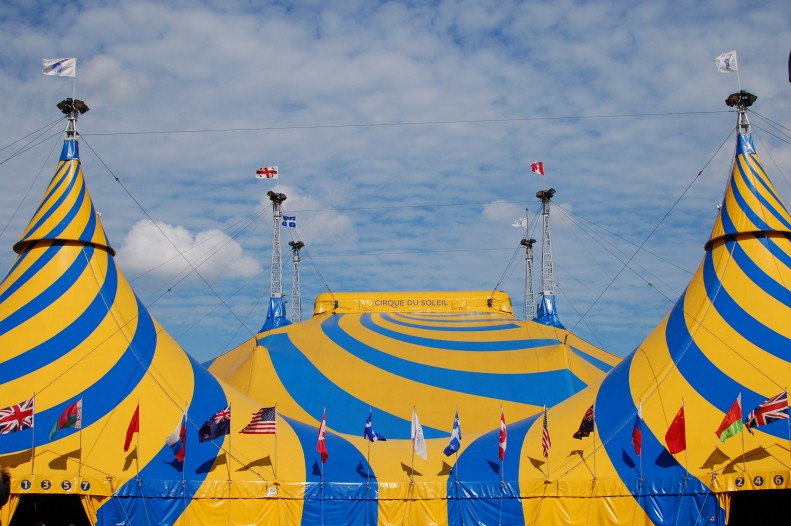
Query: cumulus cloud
point(168, 251)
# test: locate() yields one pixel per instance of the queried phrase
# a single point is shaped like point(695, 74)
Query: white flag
point(726, 63)
point(418, 440)
point(520, 223)
point(60, 67)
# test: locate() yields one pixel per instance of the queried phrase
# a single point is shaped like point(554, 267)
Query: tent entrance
point(766, 507)
point(50, 509)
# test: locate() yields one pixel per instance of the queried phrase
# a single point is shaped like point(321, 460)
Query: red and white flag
point(321, 445)
point(266, 172)
point(503, 435)
point(537, 167)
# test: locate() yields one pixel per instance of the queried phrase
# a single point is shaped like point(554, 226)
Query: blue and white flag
point(455, 438)
point(520, 223)
point(369, 432)
point(60, 67)
point(290, 221)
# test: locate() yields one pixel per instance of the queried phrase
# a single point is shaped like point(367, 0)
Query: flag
point(418, 440)
point(266, 172)
point(637, 431)
point(263, 422)
point(71, 417)
point(216, 426)
point(321, 445)
point(520, 223)
point(586, 426)
point(676, 436)
point(369, 432)
point(455, 437)
point(290, 221)
point(732, 423)
point(537, 167)
point(546, 443)
point(60, 67)
point(177, 440)
point(776, 408)
point(16, 417)
point(503, 435)
point(726, 63)
point(134, 427)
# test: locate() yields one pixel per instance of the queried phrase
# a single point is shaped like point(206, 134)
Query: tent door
point(766, 507)
point(50, 510)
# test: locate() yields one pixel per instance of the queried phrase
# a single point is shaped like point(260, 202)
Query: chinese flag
point(676, 436)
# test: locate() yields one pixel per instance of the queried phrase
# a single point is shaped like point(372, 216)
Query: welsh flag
point(71, 417)
point(732, 423)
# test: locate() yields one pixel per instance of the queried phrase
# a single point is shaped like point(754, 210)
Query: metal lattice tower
point(530, 297)
point(547, 266)
point(296, 302)
point(276, 280)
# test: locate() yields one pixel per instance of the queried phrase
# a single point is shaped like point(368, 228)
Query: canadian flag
point(266, 172)
point(537, 167)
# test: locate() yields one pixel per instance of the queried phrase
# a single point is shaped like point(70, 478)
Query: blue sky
point(404, 134)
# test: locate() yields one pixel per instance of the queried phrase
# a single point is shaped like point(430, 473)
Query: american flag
point(776, 408)
point(263, 422)
point(17, 417)
point(545, 442)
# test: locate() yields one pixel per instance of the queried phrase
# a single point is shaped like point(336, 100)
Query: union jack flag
point(776, 408)
point(17, 417)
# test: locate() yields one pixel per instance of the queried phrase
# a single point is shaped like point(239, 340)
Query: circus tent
point(392, 355)
point(102, 408)
point(670, 445)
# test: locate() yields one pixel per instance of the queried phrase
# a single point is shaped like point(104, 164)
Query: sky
point(404, 134)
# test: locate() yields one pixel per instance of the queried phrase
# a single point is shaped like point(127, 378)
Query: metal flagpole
point(79, 464)
point(686, 450)
point(594, 439)
point(741, 410)
point(230, 451)
point(33, 436)
point(641, 442)
point(412, 467)
point(275, 467)
point(785, 390)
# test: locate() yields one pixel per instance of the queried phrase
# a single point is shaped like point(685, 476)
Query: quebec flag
point(455, 438)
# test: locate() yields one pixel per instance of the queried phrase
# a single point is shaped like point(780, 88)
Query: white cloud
point(169, 251)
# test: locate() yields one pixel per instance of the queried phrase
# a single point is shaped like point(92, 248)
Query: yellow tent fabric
point(384, 355)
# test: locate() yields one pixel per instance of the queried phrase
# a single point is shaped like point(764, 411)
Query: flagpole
point(542, 439)
point(686, 449)
point(741, 416)
point(785, 390)
point(368, 458)
point(230, 454)
point(412, 467)
point(137, 444)
point(33, 437)
point(79, 464)
point(641, 441)
point(275, 467)
point(594, 439)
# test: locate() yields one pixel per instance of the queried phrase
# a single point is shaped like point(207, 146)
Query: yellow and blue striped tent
point(727, 337)
point(72, 331)
point(392, 354)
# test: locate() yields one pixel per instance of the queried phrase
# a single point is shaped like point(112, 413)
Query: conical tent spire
point(751, 204)
point(66, 213)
